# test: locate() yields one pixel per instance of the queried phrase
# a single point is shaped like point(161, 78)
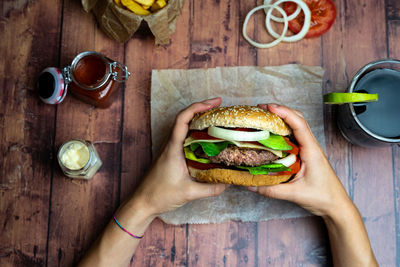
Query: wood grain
point(163, 245)
point(48, 219)
point(284, 247)
point(367, 173)
point(393, 25)
point(307, 52)
point(90, 202)
point(336, 80)
point(26, 130)
point(214, 42)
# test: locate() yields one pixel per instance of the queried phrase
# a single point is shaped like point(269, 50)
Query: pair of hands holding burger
point(213, 147)
point(194, 150)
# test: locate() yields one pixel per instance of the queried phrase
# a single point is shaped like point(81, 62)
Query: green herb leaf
point(275, 142)
point(213, 149)
point(265, 169)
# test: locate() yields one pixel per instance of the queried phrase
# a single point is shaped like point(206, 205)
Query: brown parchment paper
point(120, 24)
point(294, 85)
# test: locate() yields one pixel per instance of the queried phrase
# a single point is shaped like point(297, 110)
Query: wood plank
point(393, 10)
point(215, 42)
point(163, 245)
point(225, 244)
point(308, 52)
point(283, 249)
point(336, 80)
point(214, 32)
point(396, 195)
point(26, 129)
point(81, 209)
point(372, 177)
point(394, 52)
point(247, 54)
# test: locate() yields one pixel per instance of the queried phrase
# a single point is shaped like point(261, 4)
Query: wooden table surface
point(48, 219)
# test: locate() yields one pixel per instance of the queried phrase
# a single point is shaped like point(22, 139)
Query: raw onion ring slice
point(287, 161)
point(306, 25)
point(278, 38)
point(277, 19)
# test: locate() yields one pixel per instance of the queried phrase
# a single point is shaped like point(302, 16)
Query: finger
point(301, 130)
point(298, 113)
point(181, 126)
point(265, 107)
point(280, 191)
point(201, 190)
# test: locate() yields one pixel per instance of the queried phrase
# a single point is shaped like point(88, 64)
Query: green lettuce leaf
point(194, 146)
point(275, 142)
point(265, 169)
point(190, 155)
point(213, 149)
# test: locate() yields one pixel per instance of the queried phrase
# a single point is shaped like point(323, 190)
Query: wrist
point(341, 211)
point(135, 216)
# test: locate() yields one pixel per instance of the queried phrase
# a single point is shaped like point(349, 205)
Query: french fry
point(135, 7)
point(145, 2)
point(118, 3)
point(158, 5)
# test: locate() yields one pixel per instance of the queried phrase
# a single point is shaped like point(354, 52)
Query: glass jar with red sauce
point(91, 77)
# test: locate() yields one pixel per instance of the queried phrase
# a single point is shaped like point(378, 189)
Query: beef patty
point(236, 156)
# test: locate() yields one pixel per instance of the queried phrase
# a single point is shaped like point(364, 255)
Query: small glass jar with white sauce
point(78, 159)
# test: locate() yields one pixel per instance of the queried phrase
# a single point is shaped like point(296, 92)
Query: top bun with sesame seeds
point(241, 117)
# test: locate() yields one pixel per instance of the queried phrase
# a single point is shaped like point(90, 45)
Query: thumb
point(202, 190)
point(280, 191)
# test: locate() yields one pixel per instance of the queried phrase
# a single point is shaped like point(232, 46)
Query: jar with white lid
point(79, 159)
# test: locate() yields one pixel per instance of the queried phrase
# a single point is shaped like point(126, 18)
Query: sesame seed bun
point(240, 117)
point(236, 177)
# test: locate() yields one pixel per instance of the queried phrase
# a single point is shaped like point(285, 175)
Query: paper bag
point(120, 24)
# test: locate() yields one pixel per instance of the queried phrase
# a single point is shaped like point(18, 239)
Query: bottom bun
point(244, 178)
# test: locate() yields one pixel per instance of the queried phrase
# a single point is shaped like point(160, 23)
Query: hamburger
point(241, 145)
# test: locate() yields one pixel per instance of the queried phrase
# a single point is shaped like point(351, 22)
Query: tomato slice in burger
point(203, 166)
point(323, 14)
point(295, 148)
point(294, 168)
point(202, 135)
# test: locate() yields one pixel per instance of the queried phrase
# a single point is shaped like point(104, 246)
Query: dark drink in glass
point(374, 123)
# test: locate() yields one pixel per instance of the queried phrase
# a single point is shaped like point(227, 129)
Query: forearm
point(348, 237)
point(115, 247)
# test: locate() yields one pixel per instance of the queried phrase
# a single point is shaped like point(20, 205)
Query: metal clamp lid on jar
point(112, 71)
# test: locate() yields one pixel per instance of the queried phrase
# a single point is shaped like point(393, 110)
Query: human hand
point(316, 186)
point(169, 185)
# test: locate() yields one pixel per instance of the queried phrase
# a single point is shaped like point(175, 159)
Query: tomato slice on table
point(323, 14)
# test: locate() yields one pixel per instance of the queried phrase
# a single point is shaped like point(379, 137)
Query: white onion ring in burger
point(279, 38)
point(233, 135)
point(306, 25)
point(287, 161)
